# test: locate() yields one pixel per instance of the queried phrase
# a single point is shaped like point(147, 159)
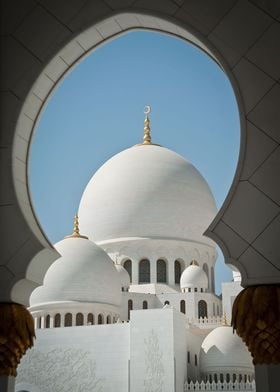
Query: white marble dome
point(124, 276)
point(147, 191)
point(194, 277)
point(83, 273)
point(223, 351)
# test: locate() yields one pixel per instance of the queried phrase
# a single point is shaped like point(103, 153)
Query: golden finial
point(224, 320)
point(147, 131)
point(76, 230)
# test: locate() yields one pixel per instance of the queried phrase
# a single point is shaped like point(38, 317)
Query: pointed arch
point(177, 271)
point(48, 321)
point(183, 306)
point(212, 279)
point(68, 320)
point(79, 319)
point(90, 319)
point(202, 309)
point(206, 270)
point(144, 271)
point(161, 271)
point(100, 319)
point(57, 320)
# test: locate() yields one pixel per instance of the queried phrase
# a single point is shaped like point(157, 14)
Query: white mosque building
point(130, 306)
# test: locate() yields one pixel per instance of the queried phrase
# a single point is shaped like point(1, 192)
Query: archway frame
point(110, 24)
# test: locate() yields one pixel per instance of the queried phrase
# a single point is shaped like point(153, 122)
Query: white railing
point(205, 321)
point(219, 386)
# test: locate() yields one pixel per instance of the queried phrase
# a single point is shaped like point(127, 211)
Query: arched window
point(130, 307)
point(79, 319)
point(100, 319)
point(145, 305)
point(48, 321)
point(234, 377)
point(90, 319)
point(57, 320)
point(177, 271)
point(214, 310)
point(215, 378)
point(183, 306)
point(206, 270)
point(128, 266)
point(144, 271)
point(161, 271)
point(227, 377)
point(189, 357)
point(108, 319)
point(212, 279)
point(68, 320)
point(39, 322)
point(218, 310)
point(202, 309)
point(195, 360)
point(166, 303)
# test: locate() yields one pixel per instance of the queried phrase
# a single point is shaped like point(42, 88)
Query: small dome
point(222, 351)
point(83, 273)
point(124, 276)
point(194, 277)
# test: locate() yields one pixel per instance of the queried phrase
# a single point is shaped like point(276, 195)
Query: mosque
point(130, 306)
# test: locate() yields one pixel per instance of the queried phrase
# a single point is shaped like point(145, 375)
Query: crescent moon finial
point(147, 109)
point(147, 131)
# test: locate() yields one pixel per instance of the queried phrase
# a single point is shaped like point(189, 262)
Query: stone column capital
point(16, 336)
point(256, 319)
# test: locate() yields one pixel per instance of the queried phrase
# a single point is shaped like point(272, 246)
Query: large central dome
point(147, 191)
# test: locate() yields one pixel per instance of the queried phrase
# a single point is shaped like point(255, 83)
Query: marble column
point(256, 319)
point(134, 273)
point(267, 378)
point(171, 272)
point(153, 270)
point(7, 383)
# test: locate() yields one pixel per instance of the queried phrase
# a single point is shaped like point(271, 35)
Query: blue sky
point(97, 111)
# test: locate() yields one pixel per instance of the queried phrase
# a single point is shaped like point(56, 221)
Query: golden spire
point(147, 131)
point(76, 230)
point(224, 320)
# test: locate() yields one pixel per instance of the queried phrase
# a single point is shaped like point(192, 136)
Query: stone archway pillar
point(256, 318)
point(7, 383)
point(267, 378)
point(16, 336)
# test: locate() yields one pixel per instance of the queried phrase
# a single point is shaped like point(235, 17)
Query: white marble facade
point(132, 306)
